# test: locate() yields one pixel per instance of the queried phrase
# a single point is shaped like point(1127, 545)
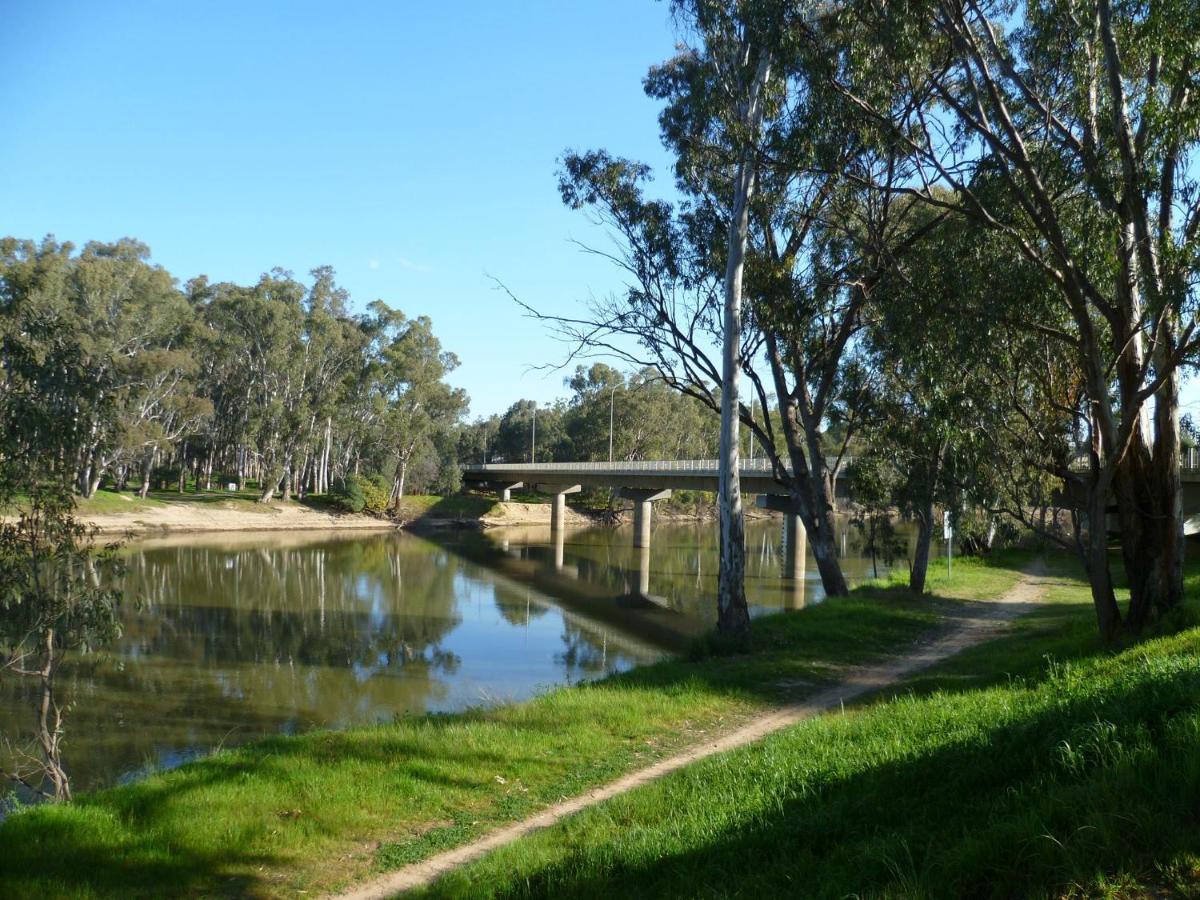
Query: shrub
point(347, 494)
point(376, 491)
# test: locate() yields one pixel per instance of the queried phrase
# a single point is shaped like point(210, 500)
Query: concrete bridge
point(643, 482)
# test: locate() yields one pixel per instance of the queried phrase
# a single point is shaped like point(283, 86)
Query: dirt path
point(973, 626)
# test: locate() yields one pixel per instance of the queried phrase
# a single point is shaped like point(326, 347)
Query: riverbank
point(1037, 765)
point(324, 810)
point(169, 512)
point(163, 512)
point(158, 517)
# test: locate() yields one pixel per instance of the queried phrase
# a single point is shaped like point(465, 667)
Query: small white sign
point(947, 528)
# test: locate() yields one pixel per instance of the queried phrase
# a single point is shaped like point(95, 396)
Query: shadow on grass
point(214, 827)
point(1080, 784)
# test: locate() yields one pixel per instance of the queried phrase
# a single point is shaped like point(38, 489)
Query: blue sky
point(411, 146)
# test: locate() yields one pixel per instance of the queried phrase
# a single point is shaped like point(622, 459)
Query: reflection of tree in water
point(585, 653)
point(232, 643)
point(364, 605)
point(515, 605)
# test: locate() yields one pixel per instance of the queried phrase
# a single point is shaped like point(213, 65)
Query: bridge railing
point(1189, 459)
point(707, 466)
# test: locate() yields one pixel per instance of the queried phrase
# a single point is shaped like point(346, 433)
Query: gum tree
point(1070, 128)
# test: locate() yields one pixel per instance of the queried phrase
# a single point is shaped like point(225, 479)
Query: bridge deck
point(757, 476)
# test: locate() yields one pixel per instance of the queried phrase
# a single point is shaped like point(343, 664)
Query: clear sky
point(412, 146)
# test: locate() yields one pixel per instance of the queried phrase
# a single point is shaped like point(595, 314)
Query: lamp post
point(612, 397)
point(533, 437)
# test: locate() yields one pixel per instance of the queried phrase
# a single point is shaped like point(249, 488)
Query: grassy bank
point(1036, 765)
point(315, 811)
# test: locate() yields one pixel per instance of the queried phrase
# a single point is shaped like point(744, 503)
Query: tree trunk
point(50, 727)
point(823, 541)
point(1108, 614)
point(733, 615)
point(920, 566)
point(993, 523)
point(147, 468)
point(1165, 587)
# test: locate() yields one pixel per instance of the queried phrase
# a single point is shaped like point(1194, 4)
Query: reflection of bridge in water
point(643, 482)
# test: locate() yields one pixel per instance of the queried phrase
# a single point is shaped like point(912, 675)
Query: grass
point(455, 506)
point(315, 811)
point(1036, 765)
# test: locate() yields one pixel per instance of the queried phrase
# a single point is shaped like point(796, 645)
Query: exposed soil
point(231, 515)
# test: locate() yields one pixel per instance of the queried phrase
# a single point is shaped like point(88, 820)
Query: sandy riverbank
point(227, 516)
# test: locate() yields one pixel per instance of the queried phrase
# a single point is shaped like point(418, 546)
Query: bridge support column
point(644, 568)
point(558, 507)
point(505, 489)
point(795, 538)
point(643, 500)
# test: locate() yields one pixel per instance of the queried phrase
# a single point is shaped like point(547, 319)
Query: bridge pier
point(644, 569)
point(643, 500)
point(505, 489)
point(795, 538)
point(558, 507)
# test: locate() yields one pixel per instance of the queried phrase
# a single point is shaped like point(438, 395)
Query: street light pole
point(612, 397)
point(533, 438)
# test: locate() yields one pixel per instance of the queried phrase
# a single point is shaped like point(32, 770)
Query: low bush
point(348, 495)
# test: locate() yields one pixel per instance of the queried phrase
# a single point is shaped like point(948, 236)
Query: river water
point(228, 638)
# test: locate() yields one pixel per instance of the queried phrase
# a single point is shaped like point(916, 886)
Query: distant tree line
point(276, 382)
point(639, 412)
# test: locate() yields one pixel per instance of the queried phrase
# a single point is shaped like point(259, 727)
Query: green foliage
point(275, 383)
point(349, 495)
point(376, 491)
point(56, 593)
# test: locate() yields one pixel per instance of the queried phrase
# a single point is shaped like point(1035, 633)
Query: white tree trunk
point(733, 616)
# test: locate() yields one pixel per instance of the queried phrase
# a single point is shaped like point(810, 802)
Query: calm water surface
point(237, 637)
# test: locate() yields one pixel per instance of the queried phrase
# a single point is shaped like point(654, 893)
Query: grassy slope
point(109, 503)
point(1036, 765)
point(311, 812)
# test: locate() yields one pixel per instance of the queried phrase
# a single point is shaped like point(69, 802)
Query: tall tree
point(1070, 129)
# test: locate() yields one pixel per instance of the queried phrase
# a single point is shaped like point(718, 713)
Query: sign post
point(948, 534)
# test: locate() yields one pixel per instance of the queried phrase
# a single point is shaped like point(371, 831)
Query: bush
point(376, 491)
point(347, 495)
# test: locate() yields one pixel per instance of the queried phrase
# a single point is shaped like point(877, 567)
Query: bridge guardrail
point(707, 466)
point(1189, 459)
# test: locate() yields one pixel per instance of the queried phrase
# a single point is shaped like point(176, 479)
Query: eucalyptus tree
point(633, 417)
point(409, 373)
point(55, 593)
point(820, 237)
point(1069, 128)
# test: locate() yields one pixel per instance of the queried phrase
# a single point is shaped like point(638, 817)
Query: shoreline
point(229, 515)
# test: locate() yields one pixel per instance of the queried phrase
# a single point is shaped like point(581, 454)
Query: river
point(231, 637)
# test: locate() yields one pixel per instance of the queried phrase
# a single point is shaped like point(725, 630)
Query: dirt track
point(973, 627)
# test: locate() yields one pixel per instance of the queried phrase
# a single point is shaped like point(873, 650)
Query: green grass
point(315, 811)
point(456, 506)
point(108, 503)
point(1036, 765)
